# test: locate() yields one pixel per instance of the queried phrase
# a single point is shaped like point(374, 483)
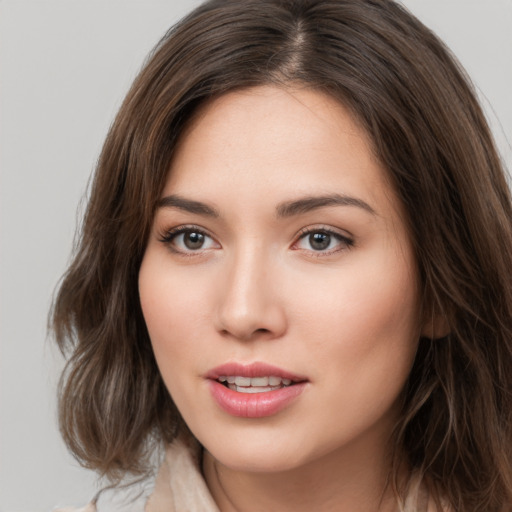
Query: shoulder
point(125, 498)
point(419, 498)
point(178, 486)
point(91, 507)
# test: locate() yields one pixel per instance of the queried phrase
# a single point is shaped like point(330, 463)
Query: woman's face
point(279, 259)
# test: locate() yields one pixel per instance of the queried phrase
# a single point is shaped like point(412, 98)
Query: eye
point(188, 239)
point(322, 241)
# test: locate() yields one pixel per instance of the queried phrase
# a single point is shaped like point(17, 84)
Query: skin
point(346, 318)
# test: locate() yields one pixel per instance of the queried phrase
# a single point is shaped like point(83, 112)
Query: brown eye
point(184, 239)
point(323, 241)
point(319, 241)
point(193, 240)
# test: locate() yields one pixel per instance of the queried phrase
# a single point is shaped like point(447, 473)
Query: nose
point(249, 304)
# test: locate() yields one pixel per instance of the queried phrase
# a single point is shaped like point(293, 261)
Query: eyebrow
point(286, 209)
point(188, 205)
point(307, 204)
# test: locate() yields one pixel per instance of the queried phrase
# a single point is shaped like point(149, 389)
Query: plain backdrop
point(64, 69)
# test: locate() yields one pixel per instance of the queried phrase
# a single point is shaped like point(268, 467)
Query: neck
point(351, 479)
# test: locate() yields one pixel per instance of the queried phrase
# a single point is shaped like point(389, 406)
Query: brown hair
point(428, 131)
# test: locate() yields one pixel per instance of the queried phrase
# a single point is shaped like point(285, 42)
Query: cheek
point(361, 337)
point(364, 319)
point(173, 305)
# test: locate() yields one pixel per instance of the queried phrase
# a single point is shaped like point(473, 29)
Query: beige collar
point(179, 484)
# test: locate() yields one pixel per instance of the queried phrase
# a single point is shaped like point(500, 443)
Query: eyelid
point(167, 236)
point(344, 238)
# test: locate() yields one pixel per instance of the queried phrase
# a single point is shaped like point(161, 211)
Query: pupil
point(193, 240)
point(319, 241)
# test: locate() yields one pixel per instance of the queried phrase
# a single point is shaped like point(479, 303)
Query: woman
point(294, 272)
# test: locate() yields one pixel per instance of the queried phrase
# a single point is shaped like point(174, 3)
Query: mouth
point(254, 390)
point(255, 379)
point(263, 384)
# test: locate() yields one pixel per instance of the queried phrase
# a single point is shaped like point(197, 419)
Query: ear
point(435, 325)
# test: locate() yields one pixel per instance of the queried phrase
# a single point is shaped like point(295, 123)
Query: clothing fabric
point(180, 487)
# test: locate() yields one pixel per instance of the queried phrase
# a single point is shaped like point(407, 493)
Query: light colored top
point(180, 486)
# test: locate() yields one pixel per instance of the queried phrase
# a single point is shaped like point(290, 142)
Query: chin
point(271, 461)
point(257, 452)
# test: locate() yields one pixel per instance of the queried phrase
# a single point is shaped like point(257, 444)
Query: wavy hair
point(428, 131)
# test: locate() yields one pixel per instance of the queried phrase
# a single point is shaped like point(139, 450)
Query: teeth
point(250, 389)
point(260, 384)
point(259, 381)
point(274, 381)
point(243, 381)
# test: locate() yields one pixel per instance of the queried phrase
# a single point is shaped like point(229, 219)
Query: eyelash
point(170, 236)
point(346, 241)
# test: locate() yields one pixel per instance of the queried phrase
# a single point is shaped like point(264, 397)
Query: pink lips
point(253, 405)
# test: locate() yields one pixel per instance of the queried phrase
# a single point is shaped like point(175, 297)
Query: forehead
point(266, 141)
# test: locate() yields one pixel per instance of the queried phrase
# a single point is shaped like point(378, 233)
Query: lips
point(255, 390)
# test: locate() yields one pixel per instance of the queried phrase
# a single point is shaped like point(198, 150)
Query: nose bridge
point(248, 301)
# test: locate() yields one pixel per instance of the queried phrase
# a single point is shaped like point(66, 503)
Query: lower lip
point(254, 405)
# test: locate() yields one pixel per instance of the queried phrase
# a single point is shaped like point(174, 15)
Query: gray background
point(64, 69)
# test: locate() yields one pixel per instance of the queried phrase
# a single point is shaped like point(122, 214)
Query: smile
point(254, 384)
point(255, 390)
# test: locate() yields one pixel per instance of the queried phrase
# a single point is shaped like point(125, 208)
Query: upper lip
point(256, 369)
